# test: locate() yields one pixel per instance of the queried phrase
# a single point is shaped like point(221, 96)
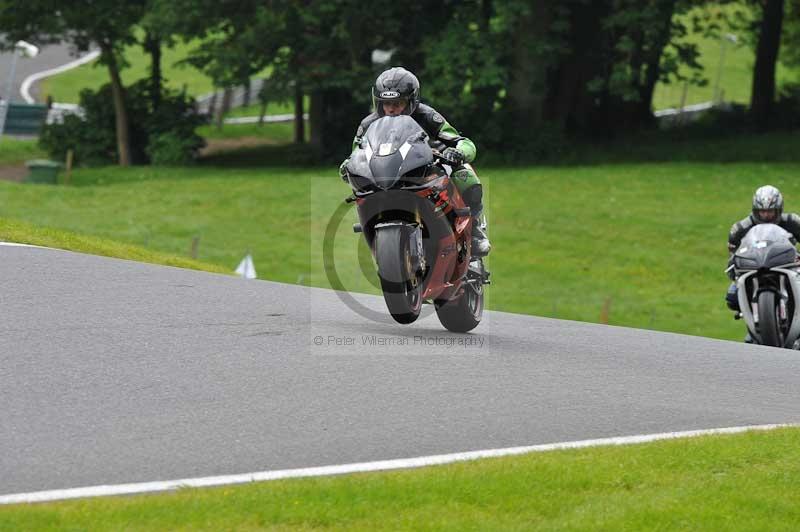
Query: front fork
point(783, 294)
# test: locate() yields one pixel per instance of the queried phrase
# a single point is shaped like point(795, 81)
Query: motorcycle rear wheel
point(463, 313)
point(768, 324)
point(402, 290)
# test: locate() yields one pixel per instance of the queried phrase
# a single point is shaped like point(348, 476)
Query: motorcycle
point(416, 224)
point(766, 272)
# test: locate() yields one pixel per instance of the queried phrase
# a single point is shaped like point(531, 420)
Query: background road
point(49, 57)
point(114, 372)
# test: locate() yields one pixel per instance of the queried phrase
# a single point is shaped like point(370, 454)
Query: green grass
point(741, 482)
point(13, 151)
point(646, 239)
point(25, 233)
point(66, 87)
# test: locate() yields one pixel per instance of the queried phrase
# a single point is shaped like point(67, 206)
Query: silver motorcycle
point(766, 274)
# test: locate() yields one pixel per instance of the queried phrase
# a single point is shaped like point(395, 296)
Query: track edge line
point(363, 467)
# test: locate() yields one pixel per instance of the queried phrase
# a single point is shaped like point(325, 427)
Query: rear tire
point(768, 325)
point(401, 286)
point(465, 312)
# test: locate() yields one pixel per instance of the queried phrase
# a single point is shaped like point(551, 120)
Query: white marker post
point(246, 268)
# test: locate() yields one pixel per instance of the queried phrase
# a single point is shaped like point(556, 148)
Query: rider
point(767, 209)
point(395, 92)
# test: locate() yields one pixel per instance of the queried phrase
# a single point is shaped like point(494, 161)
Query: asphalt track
point(118, 372)
point(49, 56)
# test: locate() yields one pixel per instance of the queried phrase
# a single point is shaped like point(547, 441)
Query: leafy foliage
point(165, 135)
point(790, 47)
point(514, 74)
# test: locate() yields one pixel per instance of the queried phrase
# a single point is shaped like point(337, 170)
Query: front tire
point(768, 325)
point(401, 285)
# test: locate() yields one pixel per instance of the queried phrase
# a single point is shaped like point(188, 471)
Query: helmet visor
point(767, 215)
point(390, 103)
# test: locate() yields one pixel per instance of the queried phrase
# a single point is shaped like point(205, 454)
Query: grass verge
point(13, 151)
point(740, 482)
point(25, 233)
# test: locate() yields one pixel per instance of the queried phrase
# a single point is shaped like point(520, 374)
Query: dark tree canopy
point(513, 74)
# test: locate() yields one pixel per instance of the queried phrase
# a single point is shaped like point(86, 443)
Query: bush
point(787, 108)
point(163, 135)
point(171, 148)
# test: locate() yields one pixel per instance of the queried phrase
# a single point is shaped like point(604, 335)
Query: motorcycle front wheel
point(768, 325)
point(401, 285)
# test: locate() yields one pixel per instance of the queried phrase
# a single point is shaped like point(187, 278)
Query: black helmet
point(396, 84)
point(767, 204)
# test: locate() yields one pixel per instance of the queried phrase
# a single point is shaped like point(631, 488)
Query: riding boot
point(473, 197)
point(480, 240)
point(732, 297)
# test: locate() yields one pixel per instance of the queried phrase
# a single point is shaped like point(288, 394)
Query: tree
point(108, 24)
point(237, 38)
point(769, 39)
point(790, 42)
point(463, 73)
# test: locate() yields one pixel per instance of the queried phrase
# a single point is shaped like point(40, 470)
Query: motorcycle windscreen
point(394, 146)
point(388, 134)
point(765, 245)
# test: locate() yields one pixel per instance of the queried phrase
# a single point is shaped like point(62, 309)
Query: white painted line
point(25, 88)
point(18, 245)
point(687, 109)
point(383, 465)
point(267, 118)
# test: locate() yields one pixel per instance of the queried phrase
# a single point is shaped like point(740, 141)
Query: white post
point(715, 97)
point(728, 37)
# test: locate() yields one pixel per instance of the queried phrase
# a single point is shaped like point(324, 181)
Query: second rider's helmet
point(767, 204)
point(396, 84)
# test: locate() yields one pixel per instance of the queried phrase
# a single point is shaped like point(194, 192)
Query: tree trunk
point(653, 66)
point(528, 83)
point(570, 103)
point(317, 119)
point(769, 40)
point(227, 96)
point(120, 112)
point(262, 112)
point(299, 121)
point(485, 96)
point(246, 95)
point(152, 44)
point(334, 117)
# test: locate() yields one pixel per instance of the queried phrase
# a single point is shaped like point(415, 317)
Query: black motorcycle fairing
point(393, 147)
point(358, 170)
point(765, 246)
